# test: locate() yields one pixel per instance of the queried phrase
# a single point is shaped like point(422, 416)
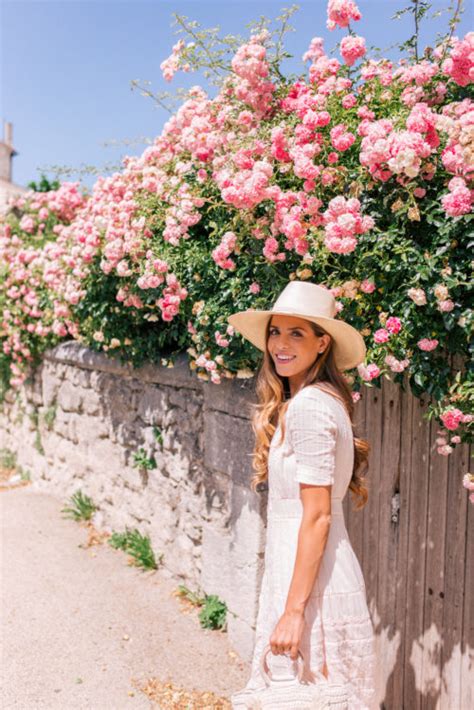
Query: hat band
point(290, 309)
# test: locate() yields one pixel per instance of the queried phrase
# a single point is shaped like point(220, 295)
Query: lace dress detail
point(317, 449)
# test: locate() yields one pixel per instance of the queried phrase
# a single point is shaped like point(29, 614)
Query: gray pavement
point(78, 624)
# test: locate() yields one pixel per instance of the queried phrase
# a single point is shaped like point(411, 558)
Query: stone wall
point(79, 421)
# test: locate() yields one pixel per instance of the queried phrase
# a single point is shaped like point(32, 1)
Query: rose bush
point(356, 175)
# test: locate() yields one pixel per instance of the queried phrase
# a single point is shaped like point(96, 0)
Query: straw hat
point(312, 302)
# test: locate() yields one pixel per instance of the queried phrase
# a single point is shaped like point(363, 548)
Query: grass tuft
point(81, 507)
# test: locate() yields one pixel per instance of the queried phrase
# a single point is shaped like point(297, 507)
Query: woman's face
point(293, 346)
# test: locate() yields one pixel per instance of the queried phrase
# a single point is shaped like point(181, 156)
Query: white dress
point(317, 449)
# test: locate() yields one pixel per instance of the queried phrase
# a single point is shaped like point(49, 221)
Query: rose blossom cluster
point(460, 63)
point(386, 152)
point(173, 294)
point(170, 66)
point(221, 253)
point(251, 67)
point(342, 222)
point(352, 49)
point(396, 365)
point(341, 12)
point(393, 325)
point(459, 199)
point(32, 289)
point(368, 372)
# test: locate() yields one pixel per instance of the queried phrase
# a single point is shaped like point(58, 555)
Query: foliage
point(7, 458)
point(141, 460)
point(44, 185)
point(213, 614)
point(138, 546)
point(81, 507)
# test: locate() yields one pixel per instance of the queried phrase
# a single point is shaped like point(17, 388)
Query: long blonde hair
point(273, 399)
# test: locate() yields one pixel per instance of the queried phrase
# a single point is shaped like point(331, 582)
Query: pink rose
point(393, 325)
point(445, 306)
point(381, 335)
point(427, 345)
point(451, 418)
point(367, 286)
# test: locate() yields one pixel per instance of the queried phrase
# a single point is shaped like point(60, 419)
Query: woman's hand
point(286, 636)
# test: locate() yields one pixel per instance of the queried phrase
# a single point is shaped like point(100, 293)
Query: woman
point(313, 595)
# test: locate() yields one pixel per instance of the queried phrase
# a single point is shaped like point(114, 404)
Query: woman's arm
point(312, 538)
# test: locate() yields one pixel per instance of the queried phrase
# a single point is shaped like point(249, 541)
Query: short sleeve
point(312, 429)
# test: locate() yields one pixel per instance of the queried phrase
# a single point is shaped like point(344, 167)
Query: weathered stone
point(241, 636)
point(180, 375)
point(215, 555)
point(232, 396)
point(228, 445)
point(152, 405)
point(68, 397)
point(91, 403)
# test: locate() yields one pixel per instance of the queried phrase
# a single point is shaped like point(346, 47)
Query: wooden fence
point(415, 542)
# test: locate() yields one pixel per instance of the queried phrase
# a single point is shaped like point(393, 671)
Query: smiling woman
point(292, 343)
point(313, 599)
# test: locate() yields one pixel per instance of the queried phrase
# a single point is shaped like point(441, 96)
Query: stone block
point(215, 559)
point(91, 402)
point(246, 552)
point(228, 446)
point(178, 376)
point(72, 352)
point(241, 637)
point(69, 397)
point(61, 423)
point(152, 405)
point(233, 396)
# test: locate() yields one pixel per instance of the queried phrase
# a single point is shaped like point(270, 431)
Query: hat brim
point(348, 344)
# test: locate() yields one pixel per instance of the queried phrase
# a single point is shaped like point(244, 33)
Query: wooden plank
point(389, 578)
point(454, 586)
point(355, 518)
point(467, 639)
point(433, 592)
point(394, 695)
point(373, 421)
point(416, 554)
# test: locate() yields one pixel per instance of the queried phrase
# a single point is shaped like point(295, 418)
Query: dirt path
point(82, 629)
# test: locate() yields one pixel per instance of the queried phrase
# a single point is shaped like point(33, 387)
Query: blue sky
point(66, 69)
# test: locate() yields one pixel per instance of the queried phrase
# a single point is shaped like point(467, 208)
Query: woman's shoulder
point(323, 393)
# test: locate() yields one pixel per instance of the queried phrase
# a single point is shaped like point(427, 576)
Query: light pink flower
point(468, 481)
point(427, 345)
point(368, 372)
point(341, 12)
point(381, 335)
point(445, 306)
point(417, 295)
point(367, 286)
point(460, 63)
point(352, 48)
point(396, 365)
point(444, 450)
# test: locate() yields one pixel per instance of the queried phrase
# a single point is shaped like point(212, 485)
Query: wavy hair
point(273, 397)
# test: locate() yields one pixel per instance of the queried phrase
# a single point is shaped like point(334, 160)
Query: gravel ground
point(83, 629)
